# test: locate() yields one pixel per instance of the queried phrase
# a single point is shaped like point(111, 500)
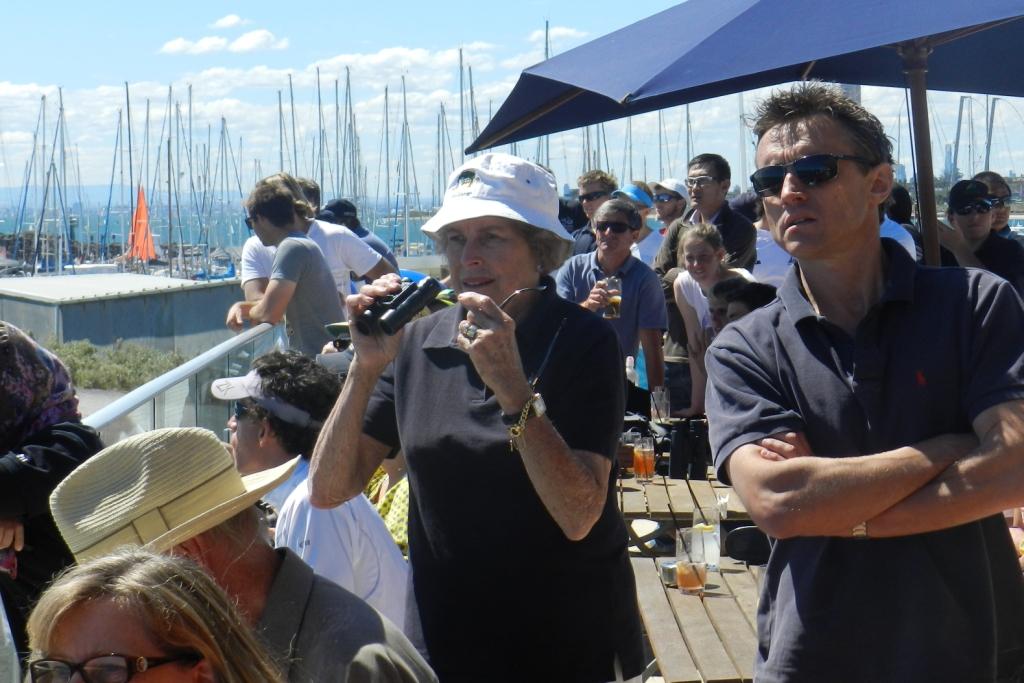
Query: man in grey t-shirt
point(300, 278)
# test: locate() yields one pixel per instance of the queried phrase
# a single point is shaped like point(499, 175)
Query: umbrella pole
point(915, 66)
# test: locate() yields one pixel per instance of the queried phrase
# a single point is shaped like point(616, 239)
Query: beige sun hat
point(155, 489)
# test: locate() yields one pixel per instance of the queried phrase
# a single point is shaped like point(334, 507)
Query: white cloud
point(229, 21)
point(260, 39)
point(176, 46)
point(204, 45)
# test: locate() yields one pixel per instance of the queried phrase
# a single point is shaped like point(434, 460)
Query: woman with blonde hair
point(701, 252)
point(133, 612)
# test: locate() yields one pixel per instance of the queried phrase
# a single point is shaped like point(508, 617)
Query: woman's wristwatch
point(517, 423)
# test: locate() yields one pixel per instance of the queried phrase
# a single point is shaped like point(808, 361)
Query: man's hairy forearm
point(814, 496)
point(983, 482)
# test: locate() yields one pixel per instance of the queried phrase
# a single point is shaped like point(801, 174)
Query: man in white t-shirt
point(342, 249)
point(279, 409)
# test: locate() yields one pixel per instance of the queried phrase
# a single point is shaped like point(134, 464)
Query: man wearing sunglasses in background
point(670, 198)
point(641, 318)
point(709, 179)
point(595, 188)
point(871, 418)
point(279, 408)
point(969, 240)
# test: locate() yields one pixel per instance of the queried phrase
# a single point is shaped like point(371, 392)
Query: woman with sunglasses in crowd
point(969, 239)
point(1001, 198)
point(702, 253)
point(137, 615)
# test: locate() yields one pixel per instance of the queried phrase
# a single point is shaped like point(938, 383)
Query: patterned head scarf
point(35, 388)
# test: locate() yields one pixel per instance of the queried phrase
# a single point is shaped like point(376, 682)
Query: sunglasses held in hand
point(810, 170)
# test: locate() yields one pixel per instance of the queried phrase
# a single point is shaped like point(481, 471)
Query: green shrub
point(123, 366)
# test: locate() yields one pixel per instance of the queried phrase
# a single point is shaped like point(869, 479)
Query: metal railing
point(181, 397)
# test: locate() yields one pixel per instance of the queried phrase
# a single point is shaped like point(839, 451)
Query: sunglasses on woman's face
point(591, 196)
point(999, 202)
point(810, 170)
point(967, 210)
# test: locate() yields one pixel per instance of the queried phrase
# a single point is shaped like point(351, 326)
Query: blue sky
point(237, 56)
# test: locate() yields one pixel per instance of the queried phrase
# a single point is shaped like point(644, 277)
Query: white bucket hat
point(500, 185)
point(155, 489)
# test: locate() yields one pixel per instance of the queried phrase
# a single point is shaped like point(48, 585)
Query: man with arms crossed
point(871, 419)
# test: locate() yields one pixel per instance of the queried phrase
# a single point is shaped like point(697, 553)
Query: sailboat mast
point(387, 162)
point(131, 175)
point(280, 130)
point(547, 55)
point(689, 136)
point(320, 129)
point(406, 147)
point(988, 130)
point(170, 221)
point(743, 143)
point(462, 112)
point(295, 143)
point(339, 182)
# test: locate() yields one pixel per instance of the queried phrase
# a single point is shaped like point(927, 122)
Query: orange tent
point(141, 242)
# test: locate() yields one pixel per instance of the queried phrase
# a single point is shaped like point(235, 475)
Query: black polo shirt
point(1004, 257)
point(498, 585)
point(941, 346)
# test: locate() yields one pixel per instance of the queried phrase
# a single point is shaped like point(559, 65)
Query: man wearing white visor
point(278, 411)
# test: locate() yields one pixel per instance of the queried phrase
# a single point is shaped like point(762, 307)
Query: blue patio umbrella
point(706, 48)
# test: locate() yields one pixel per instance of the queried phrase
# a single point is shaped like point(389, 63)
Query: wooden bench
point(695, 639)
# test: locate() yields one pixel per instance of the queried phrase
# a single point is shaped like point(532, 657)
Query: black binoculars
point(389, 314)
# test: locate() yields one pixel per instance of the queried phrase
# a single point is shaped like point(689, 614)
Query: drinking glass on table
point(711, 527)
point(643, 459)
point(614, 286)
point(659, 404)
point(627, 446)
point(691, 567)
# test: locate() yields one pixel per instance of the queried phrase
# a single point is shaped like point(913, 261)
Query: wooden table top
point(676, 500)
point(701, 639)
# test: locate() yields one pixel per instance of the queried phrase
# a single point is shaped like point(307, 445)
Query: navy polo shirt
point(941, 346)
point(643, 303)
point(584, 240)
point(498, 585)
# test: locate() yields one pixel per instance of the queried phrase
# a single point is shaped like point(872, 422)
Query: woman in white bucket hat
point(508, 407)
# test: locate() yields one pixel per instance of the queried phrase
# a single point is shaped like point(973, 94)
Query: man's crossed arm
point(938, 483)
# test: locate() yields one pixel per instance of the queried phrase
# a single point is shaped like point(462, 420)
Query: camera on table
point(389, 314)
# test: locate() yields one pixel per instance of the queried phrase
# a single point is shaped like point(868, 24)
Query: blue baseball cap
point(634, 194)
